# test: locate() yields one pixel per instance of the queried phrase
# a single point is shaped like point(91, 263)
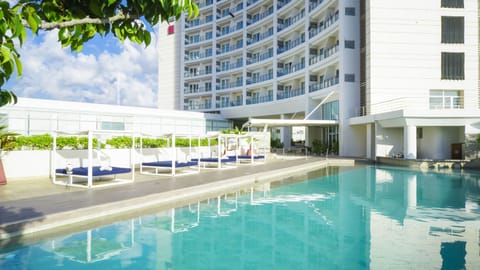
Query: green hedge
point(45, 142)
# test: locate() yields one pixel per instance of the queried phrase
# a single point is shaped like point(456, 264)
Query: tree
point(79, 21)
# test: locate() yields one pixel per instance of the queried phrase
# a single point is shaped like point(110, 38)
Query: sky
point(104, 72)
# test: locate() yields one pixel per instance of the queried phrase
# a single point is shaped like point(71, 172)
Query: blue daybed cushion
point(215, 159)
point(168, 163)
point(96, 171)
point(249, 157)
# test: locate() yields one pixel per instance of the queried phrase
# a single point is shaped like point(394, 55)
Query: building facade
point(400, 77)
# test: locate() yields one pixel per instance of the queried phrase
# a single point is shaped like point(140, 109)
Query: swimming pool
point(357, 218)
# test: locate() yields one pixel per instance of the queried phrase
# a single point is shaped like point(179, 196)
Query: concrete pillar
point(286, 134)
point(369, 136)
point(410, 142)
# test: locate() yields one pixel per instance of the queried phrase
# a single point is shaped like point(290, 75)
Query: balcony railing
point(290, 93)
point(229, 104)
point(315, 4)
point(231, 66)
point(198, 22)
point(229, 29)
point(196, 40)
point(194, 107)
point(327, 52)
point(196, 91)
point(260, 99)
point(251, 2)
point(292, 20)
point(229, 85)
point(259, 58)
point(260, 37)
point(197, 56)
point(198, 73)
point(205, 4)
point(260, 16)
point(290, 69)
point(230, 48)
point(282, 3)
point(323, 84)
point(291, 45)
point(260, 78)
point(326, 24)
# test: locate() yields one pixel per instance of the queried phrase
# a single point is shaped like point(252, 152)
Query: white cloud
point(52, 72)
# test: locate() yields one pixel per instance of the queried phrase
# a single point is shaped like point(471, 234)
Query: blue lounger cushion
point(215, 160)
point(168, 163)
point(249, 157)
point(96, 171)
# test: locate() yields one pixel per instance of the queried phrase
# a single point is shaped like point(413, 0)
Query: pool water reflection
point(355, 218)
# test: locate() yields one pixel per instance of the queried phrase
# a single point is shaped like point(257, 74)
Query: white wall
point(389, 141)
point(436, 142)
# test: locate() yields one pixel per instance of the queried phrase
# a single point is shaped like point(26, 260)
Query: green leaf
point(18, 63)
point(32, 23)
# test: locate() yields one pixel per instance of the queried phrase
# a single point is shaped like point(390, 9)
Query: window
point(349, 77)
point(453, 29)
point(453, 66)
point(446, 99)
point(108, 125)
point(452, 3)
point(349, 44)
point(350, 11)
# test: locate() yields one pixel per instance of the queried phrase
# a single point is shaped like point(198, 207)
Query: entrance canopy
point(266, 123)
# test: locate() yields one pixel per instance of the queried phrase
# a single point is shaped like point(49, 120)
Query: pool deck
point(37, 206)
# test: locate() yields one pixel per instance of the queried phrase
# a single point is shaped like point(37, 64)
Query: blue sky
point(106, 71)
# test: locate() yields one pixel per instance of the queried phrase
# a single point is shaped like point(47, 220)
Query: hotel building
point(398, 78)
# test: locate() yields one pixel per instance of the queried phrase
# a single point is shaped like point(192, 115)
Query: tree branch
point(87, 20)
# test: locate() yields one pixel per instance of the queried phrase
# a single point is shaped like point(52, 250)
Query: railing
point(198, 107)
point(290, 69)
point(205, 4)
point(283, 3)
point(313, 5)
point(260, 16)
point(229, 85)
point(260, 37)
point(291, 45)
point(260, 99)
point(198, 22)
point(326, 24)
point(229, 67)
point(198, 73)
point(326, 54)
point(229, 104)
point(292, 20)
point(228, 12)
point(198, 90)
point(230, 48)
point(229, 29)
point(251, 2)
point(259, 58)
point(197, 56)
point(291, 93)
point(323, 84)
point(260, 78)
point(197, 40)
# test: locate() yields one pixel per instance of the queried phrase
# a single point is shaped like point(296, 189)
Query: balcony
point(229, 13)
point(326, 24)
point(314, 5)
point(260, 37)
point(225, 86)
point(198, 90)
point(260, 99)
point(290, 69)
point(291, 44)
point(196, 107)
point(229, 48)
point(251, 2)
point(205, 4)
point(197, 74)
point(227, 104)
point(196, 39)
point(228, 67)
point(259, 58)
point(290, 93)
point(283, 3)
point(260, 16)
point(198, 22)
point(198, 56)
point(327, 52)
point(230, 29)
point(290, 21)
point(323, 84)
point(260, 78)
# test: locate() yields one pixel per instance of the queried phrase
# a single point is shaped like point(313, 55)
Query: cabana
point(97, 168)
point(253, 142)
point(219, 156)
point(173, 165)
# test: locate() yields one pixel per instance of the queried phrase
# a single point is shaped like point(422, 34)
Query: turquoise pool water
point(361, 218)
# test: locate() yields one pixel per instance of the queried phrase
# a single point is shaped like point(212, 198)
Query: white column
point(411, 191)
point(369, 153)
point(410, 142)
point(286, 134)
